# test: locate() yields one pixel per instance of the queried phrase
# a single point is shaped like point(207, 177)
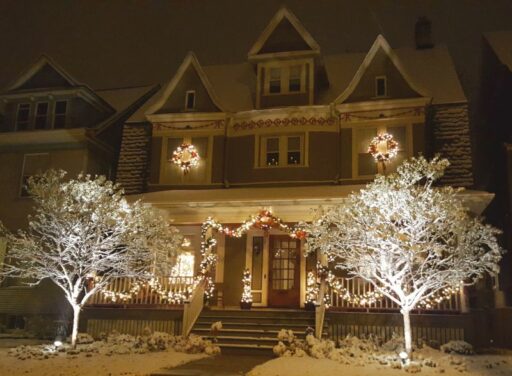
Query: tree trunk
point(407, 332)
point(76, 317)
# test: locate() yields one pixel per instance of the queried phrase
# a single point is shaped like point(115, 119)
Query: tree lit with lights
point(411, 240)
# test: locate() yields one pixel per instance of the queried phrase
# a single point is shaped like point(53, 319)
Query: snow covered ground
point(98, 365)
point(446, 364)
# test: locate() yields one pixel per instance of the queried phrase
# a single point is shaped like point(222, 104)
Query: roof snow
point(501, 43)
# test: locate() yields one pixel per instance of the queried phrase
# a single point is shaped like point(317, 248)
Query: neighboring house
point(496, 99)
point(50, 120)
point(289, 129)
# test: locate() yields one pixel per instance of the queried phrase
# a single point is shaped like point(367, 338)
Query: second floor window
point(381, 86)
point(282, 151)
point(59, 114)
point(41, 115)
point(23, 117)
point(294, 80)
point(287, 79)
point(274, 82)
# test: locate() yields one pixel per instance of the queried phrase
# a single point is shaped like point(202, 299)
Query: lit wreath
point(185, 156)
point(392, 147)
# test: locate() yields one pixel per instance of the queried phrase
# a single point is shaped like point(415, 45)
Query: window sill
point(286, 166)
point(282, 93)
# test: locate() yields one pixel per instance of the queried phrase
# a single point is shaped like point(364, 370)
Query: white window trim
point(260, 152)
point(381, 128)
point(193, 102)
point(285, 78)
point(18, 113)
point(20, 190)
point(54, 114)
point(377, 78)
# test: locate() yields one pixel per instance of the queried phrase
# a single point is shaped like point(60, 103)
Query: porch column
point(219, 269)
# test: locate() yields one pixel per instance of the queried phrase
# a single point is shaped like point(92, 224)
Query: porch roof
point(291, 204)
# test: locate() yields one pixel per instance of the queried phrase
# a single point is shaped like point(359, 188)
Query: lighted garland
point(185, 156)
point(391, 145)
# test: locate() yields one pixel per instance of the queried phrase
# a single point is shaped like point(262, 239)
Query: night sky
point(126, 43)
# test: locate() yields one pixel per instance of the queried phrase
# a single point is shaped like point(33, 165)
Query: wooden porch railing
point(171, 291)
point(193, 308)
point(357, 286)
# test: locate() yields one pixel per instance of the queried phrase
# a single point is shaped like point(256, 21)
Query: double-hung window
point(59, 114)
point(41, 119)
point(285, 79)
point(282, 151)
point(23, 117)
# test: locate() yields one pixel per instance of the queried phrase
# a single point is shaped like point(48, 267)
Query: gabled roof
point(189, 61)
point(501, 44)
point(380, 44)
point(283, 15)
point(36, 67)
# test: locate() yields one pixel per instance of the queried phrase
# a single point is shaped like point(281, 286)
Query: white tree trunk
point(407, 332)
point(76, 317)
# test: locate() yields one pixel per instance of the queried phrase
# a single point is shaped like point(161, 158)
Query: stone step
point(244, 332)
point(257, 319)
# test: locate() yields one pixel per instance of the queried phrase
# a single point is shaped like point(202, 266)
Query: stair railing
point(193, 307)
point(320, 310)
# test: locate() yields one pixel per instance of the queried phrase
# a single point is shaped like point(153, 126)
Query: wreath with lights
point(391, 144)
point(186, 157)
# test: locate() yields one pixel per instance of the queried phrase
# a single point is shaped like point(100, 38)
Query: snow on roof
point(501, 43)
point(122, 98)
point(432, 69)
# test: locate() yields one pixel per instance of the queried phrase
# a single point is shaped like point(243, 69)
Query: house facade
point(281, 134)
point(50, 120)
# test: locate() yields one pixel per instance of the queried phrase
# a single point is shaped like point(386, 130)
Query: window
point(282, 151)
point(33, 164)
point(286, 79)
point(185, 261)
point(190, 100)
point(381, 86)
point(294, 78)
point(23, 117)
point(41, 115)
point(274, 83)
point(364, 164)
point(59, 114)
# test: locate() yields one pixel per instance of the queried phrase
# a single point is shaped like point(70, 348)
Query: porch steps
point(254, 329)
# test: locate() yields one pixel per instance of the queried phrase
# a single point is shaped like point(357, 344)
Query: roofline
point(190, 59)
point(380, 42)
point(276, 19)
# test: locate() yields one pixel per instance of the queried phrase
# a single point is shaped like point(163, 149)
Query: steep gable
point(44, 74)
point(381, 61)
point(284, 33)
point(189, 77)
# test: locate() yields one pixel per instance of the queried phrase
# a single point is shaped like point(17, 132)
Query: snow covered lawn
point(471, 365)
point(98, 365)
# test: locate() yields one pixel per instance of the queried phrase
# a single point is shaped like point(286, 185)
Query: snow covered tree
point(407, 237)
point(83, 229)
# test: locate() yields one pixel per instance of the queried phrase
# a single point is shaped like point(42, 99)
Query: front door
point(284, 271)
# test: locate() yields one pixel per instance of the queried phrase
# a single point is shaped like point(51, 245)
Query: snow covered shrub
point(458, 347)
point(84, 338)
point(395, 344)
point(319, 348)
point(195, 344)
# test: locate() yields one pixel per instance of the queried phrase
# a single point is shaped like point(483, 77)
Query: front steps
point(254, 329)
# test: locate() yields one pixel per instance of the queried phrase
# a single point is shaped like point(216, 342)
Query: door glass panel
point(257, 262)
point(283, 273)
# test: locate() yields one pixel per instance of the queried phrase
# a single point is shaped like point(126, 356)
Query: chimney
point(423, 33)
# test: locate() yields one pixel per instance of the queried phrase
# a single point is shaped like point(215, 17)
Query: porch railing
point(170, 291)
point(193, 308)
point(357, 286)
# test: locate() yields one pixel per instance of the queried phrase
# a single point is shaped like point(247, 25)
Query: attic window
point(190, 100)
point(381, 86)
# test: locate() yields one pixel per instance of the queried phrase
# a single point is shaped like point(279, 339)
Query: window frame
point(64, 115)
point(381, 128)
point(285, 69)
point(261, 150)
point(187, 93)
point(46, 116)
point(385, 80)
point(16, 124)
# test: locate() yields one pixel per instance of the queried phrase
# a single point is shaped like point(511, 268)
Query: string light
point(247, 293)
point(185, 156)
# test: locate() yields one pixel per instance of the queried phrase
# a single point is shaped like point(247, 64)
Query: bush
point(458, 347)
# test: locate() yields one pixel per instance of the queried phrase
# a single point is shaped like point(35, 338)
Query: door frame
point(265, 270)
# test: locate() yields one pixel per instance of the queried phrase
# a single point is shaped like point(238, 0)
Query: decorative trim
point(380, 43)
point(283, 122)
point(350, 116)
point(216, 124)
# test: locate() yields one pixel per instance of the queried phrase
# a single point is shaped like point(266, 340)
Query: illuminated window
point(184, 265)
point(282, 151)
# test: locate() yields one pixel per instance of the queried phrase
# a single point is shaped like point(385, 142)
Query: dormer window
point(23, 117)
point(41, 115)
point(190, 100)
point(381, 86)
point(59, 114)
point(285, 79)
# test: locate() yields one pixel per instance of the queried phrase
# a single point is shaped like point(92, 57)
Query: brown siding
point(346, 153)
point(322, 153)
point(156, 150)
point(218, 159)
point(418, 139)
point(284, 100)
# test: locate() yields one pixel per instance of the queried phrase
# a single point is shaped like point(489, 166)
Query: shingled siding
point(134, 158)
point(452, 141)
